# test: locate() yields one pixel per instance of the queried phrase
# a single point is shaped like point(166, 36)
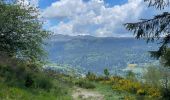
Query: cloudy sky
point(92, 17)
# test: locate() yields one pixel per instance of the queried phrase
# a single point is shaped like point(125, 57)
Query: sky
point(101, 18)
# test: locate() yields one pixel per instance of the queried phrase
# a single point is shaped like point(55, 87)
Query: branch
point(151, 28)
point(159, 4)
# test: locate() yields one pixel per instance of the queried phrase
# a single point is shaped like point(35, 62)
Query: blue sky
point(99, 18)
point(45, 3)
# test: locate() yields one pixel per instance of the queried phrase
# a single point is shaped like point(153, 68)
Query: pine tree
point(155, 29)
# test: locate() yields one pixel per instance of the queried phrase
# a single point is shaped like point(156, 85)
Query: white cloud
point(64, 8)
point(93, 17)
point(62, 28)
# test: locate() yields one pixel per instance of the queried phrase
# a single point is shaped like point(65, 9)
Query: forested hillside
point(97, 53)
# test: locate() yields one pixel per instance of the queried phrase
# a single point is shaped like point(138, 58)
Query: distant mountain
point(97, 53)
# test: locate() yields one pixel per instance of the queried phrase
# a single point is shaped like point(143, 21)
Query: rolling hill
point(97, 53)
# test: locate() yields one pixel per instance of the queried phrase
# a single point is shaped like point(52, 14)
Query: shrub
point(165, 93)
point(100, 78)
point(42, 81)
point(126, 85)
point(135, 87)
point(153, 92)
point(85, 84)
point(25, 75)
point(28, 81)
point(141, 92)
point(131, 75)
point(91, 76)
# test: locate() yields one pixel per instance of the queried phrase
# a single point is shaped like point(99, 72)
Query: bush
point(42, 81)
point(85, 84)
point(28, 81)
point(91, 76)
point(153, 92)
point(141, 92)
point(100, 78)
point(135, 88)
point(126, 85)
point(25, 75)
point(165, 93)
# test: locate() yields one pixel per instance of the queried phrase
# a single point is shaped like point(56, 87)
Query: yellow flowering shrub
point(127, 85)
point(141, 92)
point(153, 92)
point(134, 87)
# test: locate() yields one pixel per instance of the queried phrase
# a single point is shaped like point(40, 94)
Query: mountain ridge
point(96, 53)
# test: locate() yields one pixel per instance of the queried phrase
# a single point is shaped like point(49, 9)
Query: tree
point(165, 58)
point(21, 33)
point(157, 28)
point(106, 73)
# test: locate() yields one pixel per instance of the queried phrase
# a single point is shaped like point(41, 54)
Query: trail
point(86, 94)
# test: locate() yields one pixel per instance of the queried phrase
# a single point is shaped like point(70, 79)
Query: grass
point(49, 85)
point(109, 94)
point(23, 83)
point(85, 84)
point(16, 93)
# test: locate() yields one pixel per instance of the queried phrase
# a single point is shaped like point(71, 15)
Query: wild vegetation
point(23, 77)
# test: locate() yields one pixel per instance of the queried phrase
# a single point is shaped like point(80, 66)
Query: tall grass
point(29, 82)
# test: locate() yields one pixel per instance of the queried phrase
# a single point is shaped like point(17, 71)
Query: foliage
point(31, 83)
point(158, 77)
point(85, 84)
point(153, 75)
point(21, 52)
point(131, 86)
point(160, 4)
point(165, 58)
point(22, 75)
point(141, 92)
point(153, 92)
point(128, 89)
point(134, 87)
point(21, 33)
point(100, 78)
point(42, 81)
point(91, 76)
point(106, 73)
point(154, 29)
point(165, 93)
point(109, 94)
point(127, 85)
point(16, 93)
point(131, 75)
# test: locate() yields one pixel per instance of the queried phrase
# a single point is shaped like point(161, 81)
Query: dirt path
point(85, 94)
